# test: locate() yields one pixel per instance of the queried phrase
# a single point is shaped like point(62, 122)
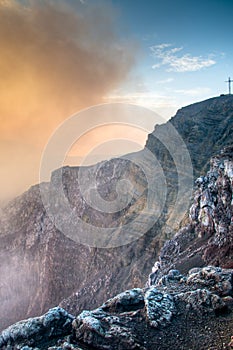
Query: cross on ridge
point(229, 81)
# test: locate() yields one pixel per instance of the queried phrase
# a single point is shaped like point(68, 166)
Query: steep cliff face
point(41, 266)
point(186, 304)
point(205, 127)
point(207, 237)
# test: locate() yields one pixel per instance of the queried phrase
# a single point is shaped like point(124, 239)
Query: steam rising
point(56, 58)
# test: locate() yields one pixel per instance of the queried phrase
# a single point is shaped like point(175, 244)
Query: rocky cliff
point(41, 266)
point(178, 312)
point(186, 304)
point(207, 237)
point(205, 127)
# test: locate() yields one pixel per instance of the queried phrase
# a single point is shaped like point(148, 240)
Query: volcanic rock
point(207, 238)
point(40, 266)
point(164, 316)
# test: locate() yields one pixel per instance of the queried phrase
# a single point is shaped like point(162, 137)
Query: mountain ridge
point(186, 304)
point(31, 246)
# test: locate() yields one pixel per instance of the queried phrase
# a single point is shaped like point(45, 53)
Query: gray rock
point(56, 322)
point(201, 300)
point(65, 346)
point(159, 307)
point(112, 325)
point(134, 319)
point(214, 278)
point(172, 277)
point(125, 301)
point(206, 237)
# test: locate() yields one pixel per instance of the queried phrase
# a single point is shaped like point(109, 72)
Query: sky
point(59, 57)
point(186, 51)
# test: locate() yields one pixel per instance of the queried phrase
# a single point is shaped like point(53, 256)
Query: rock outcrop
point(205, 127)
point(207, 237)
point(34, 277)
point(187, 302)
point(38, 331)
point(192, 311)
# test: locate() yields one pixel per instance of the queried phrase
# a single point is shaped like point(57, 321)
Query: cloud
point(167, 56)
point(138, 98)
point(164, 105)
point(57, 57)
point(198, 91)
point(165, 81)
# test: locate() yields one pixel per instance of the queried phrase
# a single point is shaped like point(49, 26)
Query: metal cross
point(229, 81)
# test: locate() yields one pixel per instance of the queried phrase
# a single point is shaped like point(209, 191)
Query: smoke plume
point(57, 57)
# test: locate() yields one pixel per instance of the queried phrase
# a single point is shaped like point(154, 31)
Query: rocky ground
point(187, 303)
point(178, 312)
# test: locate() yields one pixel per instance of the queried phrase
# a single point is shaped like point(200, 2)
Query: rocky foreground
point(177, 312)
point(186, 304)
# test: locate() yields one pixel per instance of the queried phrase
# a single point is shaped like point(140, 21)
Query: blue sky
point(185, 51)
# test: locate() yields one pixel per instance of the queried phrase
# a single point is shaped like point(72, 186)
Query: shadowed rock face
point(206, 127)
point(40, 266)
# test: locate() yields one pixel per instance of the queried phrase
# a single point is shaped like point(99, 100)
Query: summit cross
point(229, 81)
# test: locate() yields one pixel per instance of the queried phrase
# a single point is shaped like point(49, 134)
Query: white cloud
point(161, 46)
point(165, 81)
point(198, 91)
point(167, 56)
point(165, 105)
point(139, 98)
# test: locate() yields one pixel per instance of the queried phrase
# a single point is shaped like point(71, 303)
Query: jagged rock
point(214, 278)
point(112, 326)
point(202, 290)
point(32, 246)
point(36, 331)
point(142, 319)
point(125, 301)
point(169, 251)
point(171, 277)
point(207, 238)
point(159, 307)
point(204, 293)
point(201, 300)
point(212, 205)
point(155, 272)
point(104, 331)
point(65, 346)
